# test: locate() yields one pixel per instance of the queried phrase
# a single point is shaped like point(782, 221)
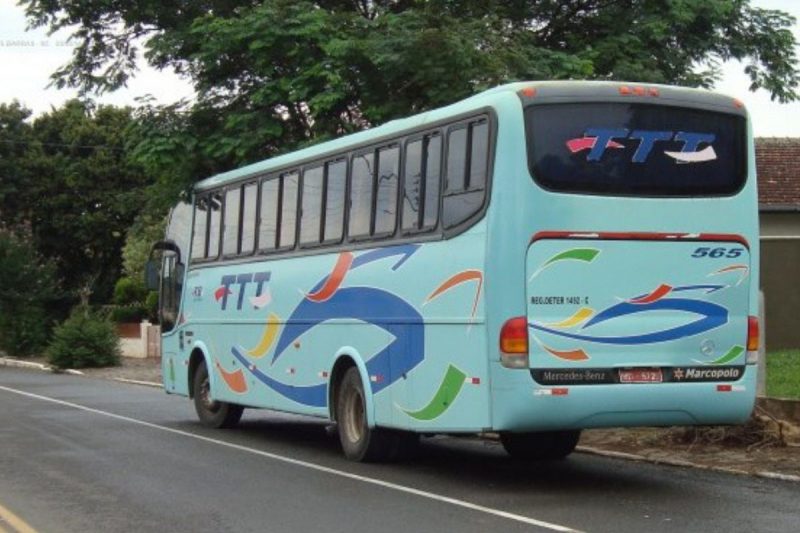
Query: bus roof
point(549, 91)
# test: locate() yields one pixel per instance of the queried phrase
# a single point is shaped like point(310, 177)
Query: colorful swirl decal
point(267, 338)
point(458, 279)
point(732, 354)
point(711, 316)
point(580, 316)
point(444, 397)
point(326, 301)
point(570, 355)
point(332, 283)
point(586, 255)
point(235, 380)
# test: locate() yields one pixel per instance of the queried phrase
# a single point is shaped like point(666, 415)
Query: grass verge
point(783, 374)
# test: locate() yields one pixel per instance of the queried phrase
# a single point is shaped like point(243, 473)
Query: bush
point(124, 314)
point(151, 304)
point(85, 339)
point(24, 332)
point(129, 291)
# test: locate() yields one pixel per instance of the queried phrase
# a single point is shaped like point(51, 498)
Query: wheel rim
point(205, 396)
point(354, 416)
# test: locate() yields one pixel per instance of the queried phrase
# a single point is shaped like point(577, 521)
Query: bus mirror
point(151, 275)
point(179, 271)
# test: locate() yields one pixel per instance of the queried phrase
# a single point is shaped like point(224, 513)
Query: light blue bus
point(537, 259)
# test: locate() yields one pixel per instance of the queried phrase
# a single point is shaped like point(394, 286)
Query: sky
point(29, 57)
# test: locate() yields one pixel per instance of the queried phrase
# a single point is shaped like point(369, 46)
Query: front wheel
point(359, 441)
point(540, 446)
point(212, 413)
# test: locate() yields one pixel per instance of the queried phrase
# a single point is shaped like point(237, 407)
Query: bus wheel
point(540, 446)
point(359, 441)
point(212, 413)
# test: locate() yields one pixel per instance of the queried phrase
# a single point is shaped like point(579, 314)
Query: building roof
point(778, 169)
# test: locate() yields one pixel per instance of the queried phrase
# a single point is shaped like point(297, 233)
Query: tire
point(213, 414)
point(540, 446)
point(359, 441)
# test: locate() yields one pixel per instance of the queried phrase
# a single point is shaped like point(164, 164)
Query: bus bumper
point(520, 404)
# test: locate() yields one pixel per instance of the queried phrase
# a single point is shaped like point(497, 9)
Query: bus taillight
point(514, 343)
point(752, 339)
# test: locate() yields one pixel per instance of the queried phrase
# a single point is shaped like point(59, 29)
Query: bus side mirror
point(151, 275)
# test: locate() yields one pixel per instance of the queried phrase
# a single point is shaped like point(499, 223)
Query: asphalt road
point(82, 455)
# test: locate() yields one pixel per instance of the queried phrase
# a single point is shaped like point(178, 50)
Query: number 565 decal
point(717, 253)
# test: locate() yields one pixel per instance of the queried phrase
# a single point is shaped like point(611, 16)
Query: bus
point(537, 259)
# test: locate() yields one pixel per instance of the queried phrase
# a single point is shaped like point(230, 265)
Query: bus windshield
point(628, 149)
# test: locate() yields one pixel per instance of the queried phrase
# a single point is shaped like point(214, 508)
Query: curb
point(686, 464)
point(139, 382)
point(17, 363)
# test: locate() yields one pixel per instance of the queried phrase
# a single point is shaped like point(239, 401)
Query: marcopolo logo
point(728, 373)
point(598, 140)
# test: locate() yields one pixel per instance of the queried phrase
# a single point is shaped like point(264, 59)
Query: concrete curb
point(139, 382)
point(18, 363)
point(686, 464)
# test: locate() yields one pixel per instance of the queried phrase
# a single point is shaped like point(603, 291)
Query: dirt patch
point(130, 368)
point(762, 445)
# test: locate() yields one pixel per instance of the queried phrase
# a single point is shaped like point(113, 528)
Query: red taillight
point(752, 334)
point(514, 343)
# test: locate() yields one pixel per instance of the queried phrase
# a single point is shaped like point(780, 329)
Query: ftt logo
point(262, 295)
point(598, 140)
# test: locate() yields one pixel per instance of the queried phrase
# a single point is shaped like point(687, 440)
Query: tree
point(76, 191)
point(15, 137)
point(29, 285)
point(272, 75)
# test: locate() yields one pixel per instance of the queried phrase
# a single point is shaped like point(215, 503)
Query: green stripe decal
point(578, 254)
point(448, 391)
point(732, 354)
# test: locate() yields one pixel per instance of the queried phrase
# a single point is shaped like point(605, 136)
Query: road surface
point(82, 455)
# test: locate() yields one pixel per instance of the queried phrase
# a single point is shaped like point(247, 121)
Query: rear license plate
point(640, 375)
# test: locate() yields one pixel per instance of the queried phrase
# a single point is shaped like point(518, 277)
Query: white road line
point(305, 464)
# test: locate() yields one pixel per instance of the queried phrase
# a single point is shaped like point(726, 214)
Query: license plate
point(640, 375)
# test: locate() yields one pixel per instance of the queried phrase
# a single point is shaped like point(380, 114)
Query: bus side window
point(268, 217)
point(230, 235)
point(467, 169)
point(288, 207)
point(421, 182)
point(200, 228)
point(214, 223)
point(311, 205)
point(335, 188)
point(386, 196)
point(361, 189)
point(248, 219)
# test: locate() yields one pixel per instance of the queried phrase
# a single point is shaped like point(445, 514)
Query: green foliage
point(124, 314)
point(151, 305)
point(272, 75)
point(85, 339)
point(129, 291)
point(71, 183)
point(783, 374)
point(146, 230)
point(28, 286)
point(25, 332)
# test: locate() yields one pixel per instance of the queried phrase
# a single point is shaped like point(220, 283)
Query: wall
point(780, 277)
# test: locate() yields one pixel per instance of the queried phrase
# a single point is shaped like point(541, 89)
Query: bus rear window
point(636, 149)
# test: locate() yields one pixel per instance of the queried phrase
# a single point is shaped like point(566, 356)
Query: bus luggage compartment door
point(636, 309)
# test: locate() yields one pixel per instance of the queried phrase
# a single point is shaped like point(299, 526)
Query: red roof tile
point(778, 170)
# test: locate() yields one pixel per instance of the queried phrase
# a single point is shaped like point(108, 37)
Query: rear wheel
point(540, 446)
point(212, 413)
point(359, 441)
